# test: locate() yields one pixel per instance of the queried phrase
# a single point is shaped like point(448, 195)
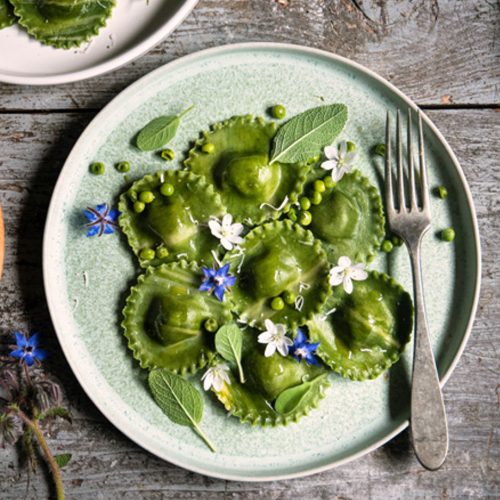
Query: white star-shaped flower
point(275, 338)
point(339, 160)
point(227, 232)
point(216, 377)
point(344, 272)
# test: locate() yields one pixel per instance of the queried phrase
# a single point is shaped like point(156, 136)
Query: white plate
point(134, 28)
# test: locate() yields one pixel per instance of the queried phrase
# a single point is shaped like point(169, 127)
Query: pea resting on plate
point(62, 23)
point(275, 260)
point(279, 390)
point(234, 156)
point(349, 220)
point(165, 217)
point(164, 318)
point(367, 330)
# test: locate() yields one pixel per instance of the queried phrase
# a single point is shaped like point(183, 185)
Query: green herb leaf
point(62, 459)
point(159, 131)
point(178, 399)
point(305, 135)
point(290, 398)
point(56, 411)
point(228, 343)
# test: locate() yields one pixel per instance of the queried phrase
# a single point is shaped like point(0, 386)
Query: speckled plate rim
point(113, 63)
point(50, 281)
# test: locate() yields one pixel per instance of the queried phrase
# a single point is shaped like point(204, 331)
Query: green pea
point(441, 192)
point(277, 304)
point(147, 254)
point(123, 166)
point(351, 147)
point(292, 215)
point(379, 149)
point(448, 234)
point(211, 325)
point(319, 186)
point(396, 241)
point(139, 207)
point(167, 189)
point(97, 168)
point(387, 246)
point(278, 112)
point(162, 253)
point(208, 148)
point(168, 154)
point(329, 182)
point(305, 203)
point(316, 198)
point(146, 196)
point(305, 218)
point(289, 297)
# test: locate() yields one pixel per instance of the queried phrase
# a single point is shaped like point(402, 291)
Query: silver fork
point(410, 220)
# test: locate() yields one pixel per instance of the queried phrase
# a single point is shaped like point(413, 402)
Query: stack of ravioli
point(360, 334)
point(59, 23)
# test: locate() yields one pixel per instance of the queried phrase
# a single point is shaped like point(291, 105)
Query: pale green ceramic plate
point(86, 279)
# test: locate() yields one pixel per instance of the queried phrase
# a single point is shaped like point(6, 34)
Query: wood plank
point(106, 464)
point(437, 52)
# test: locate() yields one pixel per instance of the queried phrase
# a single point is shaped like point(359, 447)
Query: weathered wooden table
point(442, 53)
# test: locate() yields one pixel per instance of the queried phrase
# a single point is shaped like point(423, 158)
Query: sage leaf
point(62, 459)
point(159, 131)
point(290, 399)
point(305, 135)
point(228, 343)
point(178, 399)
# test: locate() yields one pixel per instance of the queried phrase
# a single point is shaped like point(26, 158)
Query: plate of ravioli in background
point(87, 279)
point(47, 44)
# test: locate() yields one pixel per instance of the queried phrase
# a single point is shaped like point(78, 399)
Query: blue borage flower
point(217, 281)
point(102, 220)
point(27, 349)
point(303, 349)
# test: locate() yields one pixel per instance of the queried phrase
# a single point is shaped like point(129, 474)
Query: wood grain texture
point(106, 465)
point(438, 51)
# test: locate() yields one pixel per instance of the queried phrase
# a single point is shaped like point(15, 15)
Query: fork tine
point(389, 195)
point(423, 166)
point(413, 187)
point(401, 180)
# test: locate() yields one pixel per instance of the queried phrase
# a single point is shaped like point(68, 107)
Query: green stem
point(204, 437)
point(186, 111)
point(54, 468)
point(240, 370)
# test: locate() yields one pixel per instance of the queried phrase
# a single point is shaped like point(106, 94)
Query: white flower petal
point(280, 329)
point(215, 228)
point(265, 338)
point(336, 279)
point(237, 228)
point(358, 274)
point(235, 239)
point(338, 173)
point(329, 164)
point(270, 350)
point(225, 377)
point(270, 326)
point(218, 383)
point(207, 383)
point(226, 243)
point(283, 348)
point(227, 220)
point(342, 149)
point(330, 151)
point(347, 284)
point(344, 262)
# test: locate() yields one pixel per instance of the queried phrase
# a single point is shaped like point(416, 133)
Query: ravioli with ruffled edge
point(364, 333)
point(252, 188)
point(350, 219)
point(175, 225)
point(7, 17)
point(276, 258)
point(62, 23)
point(257, 400)
point(164, 317)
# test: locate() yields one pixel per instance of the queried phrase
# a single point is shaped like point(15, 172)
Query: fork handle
point(429, 429)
